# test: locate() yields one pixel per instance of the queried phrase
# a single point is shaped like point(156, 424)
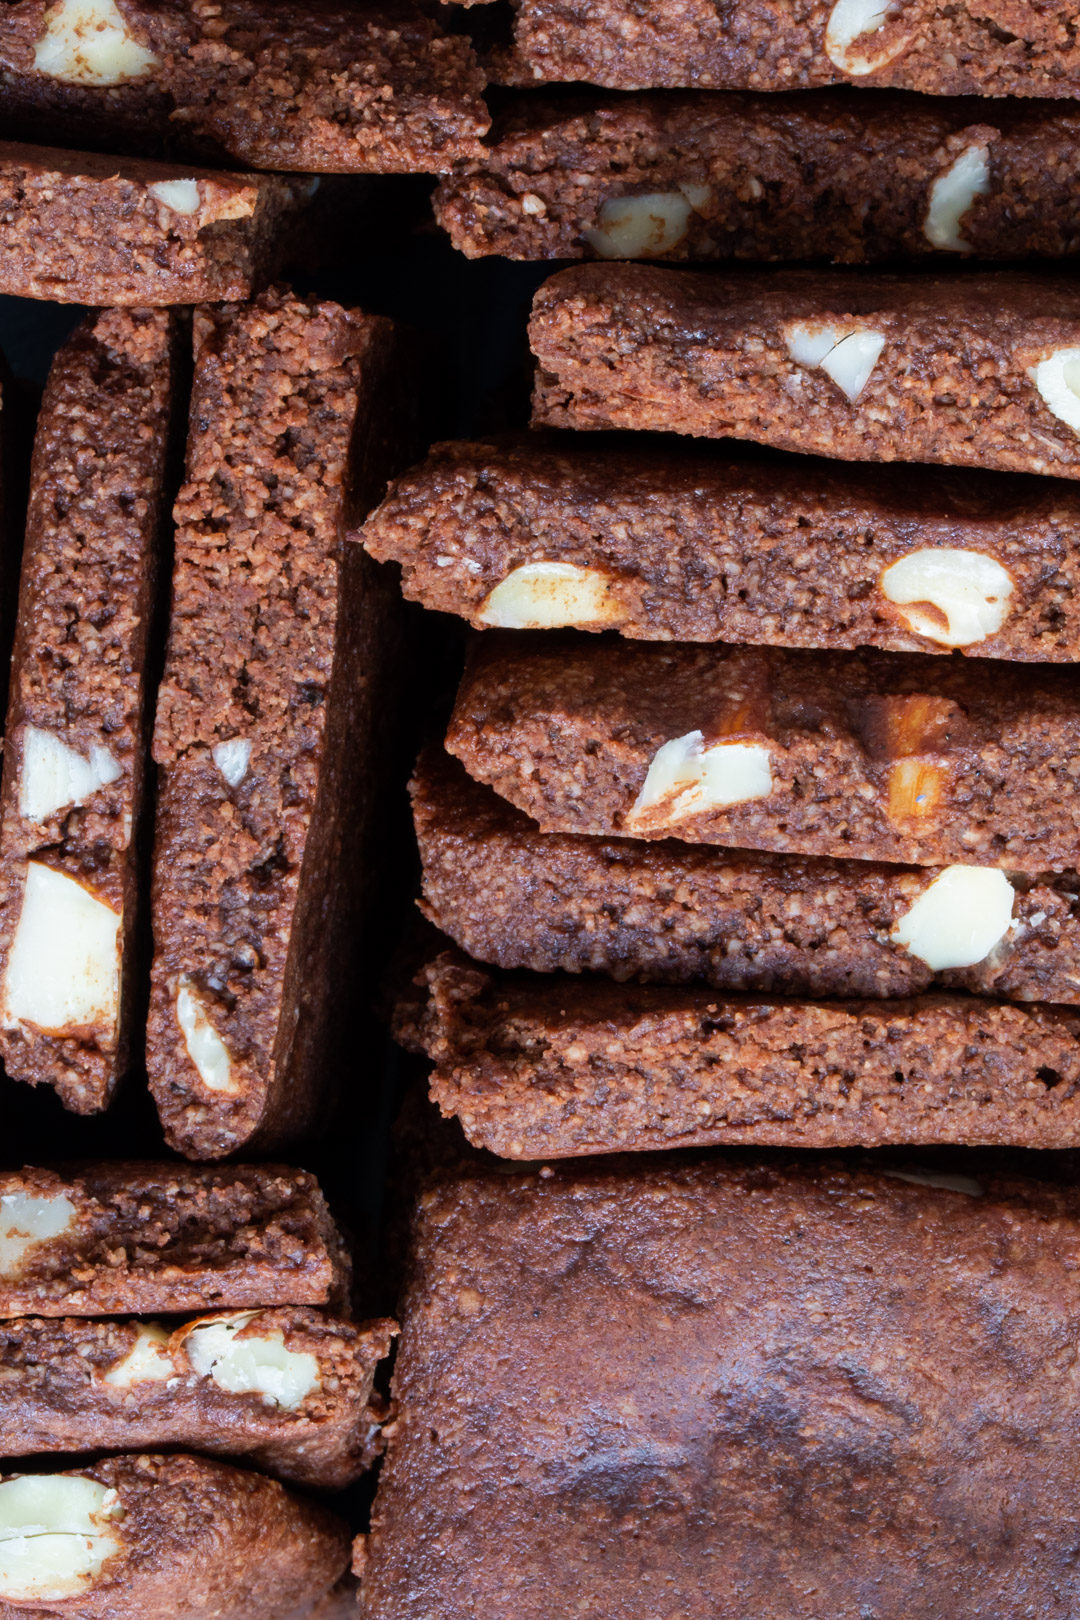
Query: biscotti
point(278, 685)
point(116, 1238)
point(84, 229)
point(675, 913)
point(289, 1391)
point(71, 806)
point(147, 1537)
point(876, 756)
point(825, 175)
point(985, 50)
point(662, 544)
point(322, 88)
point(973, 370)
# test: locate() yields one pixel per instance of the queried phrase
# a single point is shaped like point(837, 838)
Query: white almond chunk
point(182, 196)
point(56, 1533)
point(641, 227)
point(939, 1178)
point(53, 775)
point(808, 342)
point(205, 1047)
point(232, 759)
point(959, 919)
point(147, 1362)
point(848, 357)
point(545, 595)
point(686, 778)
point(63, 971)
point(1058, 380)
point(971, 593)
point(854, 20)
point(89, 42)
point(257, 1364)
point(952, 194)
point(27, 1219)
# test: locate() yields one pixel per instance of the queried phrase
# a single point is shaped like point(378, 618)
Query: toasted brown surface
point(675, 913)
point(80, 666)
point(134, 1237)
point(694, 546)
point(876, 756)
point(637, 346)
point(326, 89)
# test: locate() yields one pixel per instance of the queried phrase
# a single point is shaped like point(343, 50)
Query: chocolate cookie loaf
point(277, 691)
point(71, 806)
point(733, 1388)
point(289, 1391)
point(876, 756)
point(820, 175)
point(975, 370)
point(675, 913)
point(665, 545)
point(121, 1238)
point(157, 1537)
point(552, 1068)
point(323, 88)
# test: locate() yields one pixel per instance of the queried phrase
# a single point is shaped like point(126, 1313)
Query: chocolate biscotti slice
point(116, 1239)
point(71, 805)
point(728, 1388)
point(288, 1390)
point(825, 175)
point(974, 369)
point(273, 713)
point(675, 913)
point(661, 545)
point(320, 88)
point(149, 1537)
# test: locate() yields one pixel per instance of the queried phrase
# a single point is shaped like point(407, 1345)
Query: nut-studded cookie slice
point(879, 756)
point(77, 723)
point(973, 370)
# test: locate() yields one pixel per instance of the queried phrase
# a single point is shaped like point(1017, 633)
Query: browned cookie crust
point(268, 717)
point(675, 913)
point(958, 369)
point(79, 690)
point(122, 1238)
point(325, 88)
point(878, 756)
point(79, 1385)
point(705, 176)
point(982, 47)
point(732, 1389)
point(198, 1539)
point(705, 547)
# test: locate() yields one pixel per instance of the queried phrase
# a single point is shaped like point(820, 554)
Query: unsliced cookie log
point(662, 544)
point(119, 1238)
point(325, 88)
point(974, 370)
point(71, 809)
point(287, 1390)
point(276, 701)
point(145, 1537)
point(879, 756)
point(674, 913)
point(709, 176)
point(620, 1387)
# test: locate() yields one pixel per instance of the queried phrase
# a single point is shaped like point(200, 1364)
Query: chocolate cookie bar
point(876, 756)
point(540, 1068)
point(289, 1391)
point(824, 175)
point(993, 48)
point(84, 229)
point(322, 88)
point(675, 913)
point(732, 1388)
point(974, 370)
point(663, 545)
point(71, 804)
point(277, 688)
point(128, 1238)
point(145, 1537)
